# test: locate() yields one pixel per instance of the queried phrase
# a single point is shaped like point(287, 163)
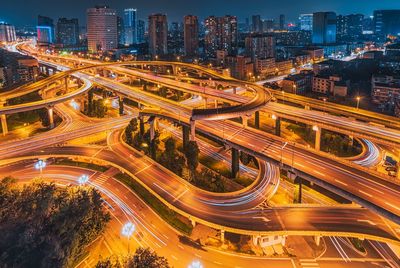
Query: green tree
point(192, 155)
point(47, 226)
point(128, 134)
point(145, 258)
point(44, 117)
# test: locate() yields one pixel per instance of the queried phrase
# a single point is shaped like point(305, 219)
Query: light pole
point(294, 89)
point(324, 99)
point(40, 165)
point(283, 97)
point(283, 147)
point(358, 101)
point(127, 230)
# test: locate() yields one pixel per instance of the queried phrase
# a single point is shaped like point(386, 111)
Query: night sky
point(24, 12)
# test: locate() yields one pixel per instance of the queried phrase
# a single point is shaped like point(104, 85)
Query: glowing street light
point(127, 230)
point(315, 128)
point(273, 117)
point(196, 264)
point(358, 101)
point(83, 179)
point(40, 165)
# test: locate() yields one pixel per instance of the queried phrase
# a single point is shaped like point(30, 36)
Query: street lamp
point(127, 230)
point(283, 147)
point(294, 89)
point(283, 97)
point(358, 101)
point(196, 264)
point(40, 165)
point(83, 179)
point(324, 99)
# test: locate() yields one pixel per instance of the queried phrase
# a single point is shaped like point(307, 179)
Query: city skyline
point(176, 10)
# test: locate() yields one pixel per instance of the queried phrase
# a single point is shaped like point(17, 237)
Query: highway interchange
point(230, 213)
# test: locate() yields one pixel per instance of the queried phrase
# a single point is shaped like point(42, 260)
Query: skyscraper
point(130, 21)
point(259, 46)
point(7, 32)
point(141, 28)
point(158, 31)
point(256, 24)
point(67, 32)
point(102, 33)
point(282, 24)
point(191, 35)
point(324, 28)
point(387, 22)
point(349, 27)
point(221, 34)
point(306, 22)
point(121, 30)
point(45, 31)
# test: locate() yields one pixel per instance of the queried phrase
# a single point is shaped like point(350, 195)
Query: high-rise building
point(67, 32)
point(130, 21)
point(191, 35)
point(256, 24)
point(324, 28)
point(141, 29)
point(282, 23)
point(306, 22)
point(102, 32)
point(387, 22)
point(260, 46)
point(268, 26)
point(221, 34)
point(349, 27)
point(7, 32)
point(158, 31)
point(45, 31)
point(121, 30)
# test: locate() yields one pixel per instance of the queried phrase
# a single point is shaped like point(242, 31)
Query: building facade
point(259, 46)
point(45, 31)
point(387, 22)
point(324, 28)
point(191, 35)
point(130, 26)
point(7, 32)
point(221, 34)
point(102, 31)
point(158, 32)
point(68, 32)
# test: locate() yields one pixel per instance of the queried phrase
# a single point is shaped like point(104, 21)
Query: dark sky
point(23, 12)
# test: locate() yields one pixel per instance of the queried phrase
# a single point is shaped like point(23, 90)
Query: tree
point(128, 134)
point(47, 226)
point(90, 102)
point(121, 106)
point(134, 124)
point(192, 155)
point(145, 258)
point(44, 117)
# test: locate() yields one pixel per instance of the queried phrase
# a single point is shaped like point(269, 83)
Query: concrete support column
point(222, 236)
point(234, 90)
point(245, 121)
point(4, 124)
point(66, 83)
point(351, 140)
point(192, 130)
point(51, 117)
point(257, 120)
point(307, 107)
point(153, 126)
point(193, 222)
point(317, 239)
point(185, 135)
point(121, 105)
point(278, 126)
point(234, 162)
point(205, 102)
point(317, 137)
point(216, 103)
point(141, 126)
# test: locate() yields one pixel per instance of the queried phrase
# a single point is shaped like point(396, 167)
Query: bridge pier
point(193, 222)
point(121, 105)
point(351, 140)
point(4, 124)
point(216, 103)
point(51, 117)
point(317, 239)
point(245, 120)
point(205, 102)
point(141, 126)
point(222, 236)
point(277, 125)
point(307, 107)
point(66, 83)
point(317, 137)
point(192, 130)
point(153, 126)
point(185, 135)
point(257, 120)
point(234, 162)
